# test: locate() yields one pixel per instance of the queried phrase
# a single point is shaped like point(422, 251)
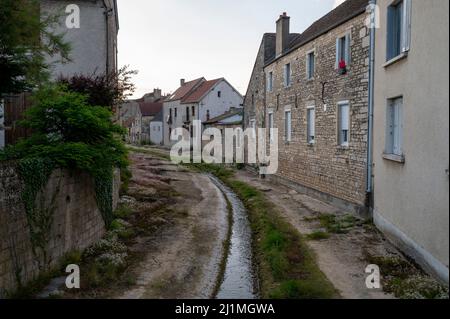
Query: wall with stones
point(77, 223)
point(324, 166)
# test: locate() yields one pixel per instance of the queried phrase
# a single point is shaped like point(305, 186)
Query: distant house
point(156, 129)
point(198, 100)
point(149, 111)
point(130, 117)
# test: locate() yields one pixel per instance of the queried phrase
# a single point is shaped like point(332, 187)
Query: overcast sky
point(166, 40)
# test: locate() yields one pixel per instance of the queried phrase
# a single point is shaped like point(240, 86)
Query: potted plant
point(342, 67)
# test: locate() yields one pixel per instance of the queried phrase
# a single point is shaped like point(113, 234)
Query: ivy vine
point(35, 173)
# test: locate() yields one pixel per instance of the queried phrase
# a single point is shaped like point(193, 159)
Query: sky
point(167, 40)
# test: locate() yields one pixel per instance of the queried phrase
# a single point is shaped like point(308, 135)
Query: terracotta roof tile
point(182, 91)
point(200, 91)
point(150, 109)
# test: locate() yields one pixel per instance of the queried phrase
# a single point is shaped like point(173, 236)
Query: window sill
point(343, 147)
point(311, 144)
point(399, 57)
point(394, 158)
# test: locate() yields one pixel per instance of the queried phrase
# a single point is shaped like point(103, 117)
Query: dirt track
point(182, 252)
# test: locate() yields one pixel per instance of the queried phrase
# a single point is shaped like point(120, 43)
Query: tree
point(108, 90)
point(25, 40)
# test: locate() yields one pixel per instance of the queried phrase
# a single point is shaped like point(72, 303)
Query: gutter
point(369, 188)
point(107, 34)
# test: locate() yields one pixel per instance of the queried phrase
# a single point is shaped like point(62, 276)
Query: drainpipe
point(107, 12)
point(369, 188)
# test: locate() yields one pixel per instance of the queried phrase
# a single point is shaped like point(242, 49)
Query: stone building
point(313, 87)
point(411, 125)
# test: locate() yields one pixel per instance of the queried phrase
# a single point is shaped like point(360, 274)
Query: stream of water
point(240, 281)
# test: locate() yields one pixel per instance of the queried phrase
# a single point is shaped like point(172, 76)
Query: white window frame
point(270, 81)
point(309, 75)
point(405, 29)
point(347, 49)
point(341, 123)
point(394, 126)
point(287, 75)
point(311, 125)
point(288, 125)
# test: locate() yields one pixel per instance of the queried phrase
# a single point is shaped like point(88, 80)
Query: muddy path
point(184, 226)
point(341, 257)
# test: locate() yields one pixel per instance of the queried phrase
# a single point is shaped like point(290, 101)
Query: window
point(193, 111)
point(287, 75)
point(311, 124)
point(343, 50)
point(219, 94)
point(270, 82)
point(398, 28)
point(187, 114)
point(176, 112)
point(271, 127)
point(207, 115)
point(343, 123)
point(287, 126)
point(394, 126)
point(310, 65)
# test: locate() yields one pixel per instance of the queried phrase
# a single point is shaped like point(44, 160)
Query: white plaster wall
point(412, 199)
point(156, 132)
point(89, 42)
point(217, 106)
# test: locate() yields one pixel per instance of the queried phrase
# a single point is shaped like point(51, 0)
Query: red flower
point(342, 64)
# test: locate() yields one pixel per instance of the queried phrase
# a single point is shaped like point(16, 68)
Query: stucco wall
point(218, 106)
point(77, 223)
point(412, 199)
point(90, 42)
point(156, 132)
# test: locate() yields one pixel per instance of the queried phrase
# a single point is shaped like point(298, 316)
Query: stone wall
point(77, 223)
point(325, 166)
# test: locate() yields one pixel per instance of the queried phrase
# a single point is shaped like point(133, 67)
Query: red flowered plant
point(342, 67)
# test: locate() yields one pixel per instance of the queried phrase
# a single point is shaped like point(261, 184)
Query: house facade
point(93, 49)
point(198, 100)
point(411, 125)
point(130, 117)
point(315, 92)
point(94, 43)
point(156, 129)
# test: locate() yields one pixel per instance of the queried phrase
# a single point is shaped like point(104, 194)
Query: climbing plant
point(67, 133)
point(35, 173)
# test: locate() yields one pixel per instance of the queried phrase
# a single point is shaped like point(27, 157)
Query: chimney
point(156, 94)
point(282, 38)
point(182, 82)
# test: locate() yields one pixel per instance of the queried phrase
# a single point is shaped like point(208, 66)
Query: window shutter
point(345, 117)
point(313, 124)
point(348, 52)
point(406, 28)
point(337, 53)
